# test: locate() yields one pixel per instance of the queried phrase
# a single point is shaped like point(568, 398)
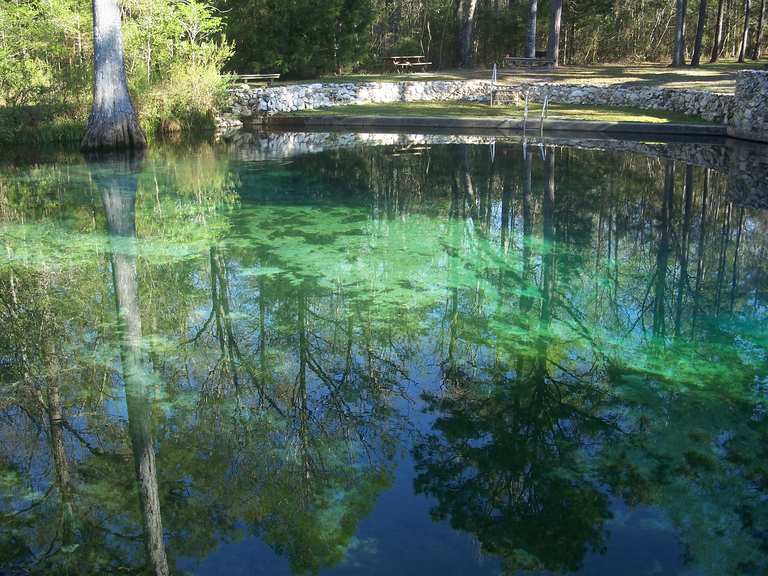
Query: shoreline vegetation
point(181, 57)
point(175, 55)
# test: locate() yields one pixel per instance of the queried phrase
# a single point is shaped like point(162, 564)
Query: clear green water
point(381, 360)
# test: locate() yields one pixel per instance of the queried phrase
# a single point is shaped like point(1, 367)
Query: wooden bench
point(520, 62)
point(257, 78)
point(408, 63)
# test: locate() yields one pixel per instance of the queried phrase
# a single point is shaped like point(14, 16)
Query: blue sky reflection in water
point(286, 357)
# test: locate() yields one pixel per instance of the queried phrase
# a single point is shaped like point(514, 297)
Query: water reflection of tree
point(117, 183)
point(504, 459)
point(276, 343)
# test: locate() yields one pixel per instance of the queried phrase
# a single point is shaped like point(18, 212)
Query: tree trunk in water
point(119, 197)
point(526, 301)
point(58, 450)
point(662, 254)
point(467, 35)
point(759, 34)
point(553, 43)
point(700, 25)
point(530, 41)
point(682, 281)
point(745, 33)
point(548, 225)
point(717, 45)
point(112, 124)
point(678, 56)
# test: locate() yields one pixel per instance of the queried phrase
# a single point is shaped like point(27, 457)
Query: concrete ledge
point(749, 135)
point(408, 122)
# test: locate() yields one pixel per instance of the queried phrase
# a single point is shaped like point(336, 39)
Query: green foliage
point(300, 38)
point(22, 80)
point(174, 51)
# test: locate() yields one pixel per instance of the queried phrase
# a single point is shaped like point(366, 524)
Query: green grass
point(719, 77)
point(473, 110)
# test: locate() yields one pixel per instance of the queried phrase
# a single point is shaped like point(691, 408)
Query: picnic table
point(257, 78)
point(521, 62)
point(408, 63)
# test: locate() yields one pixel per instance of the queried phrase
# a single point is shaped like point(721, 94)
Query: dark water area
point(383, 355)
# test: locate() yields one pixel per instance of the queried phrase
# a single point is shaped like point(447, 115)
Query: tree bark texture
point(757, 47)
point(113, 123)
point(467, 34)
point(553, 42)
point(530, 41)
point(700, 26)
point(678, 55)
point(717, 45)
point(745, 32)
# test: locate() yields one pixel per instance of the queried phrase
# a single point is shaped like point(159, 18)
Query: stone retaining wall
point(248, 102)
point(712, 107)
point(746, 113)
point(750, 114)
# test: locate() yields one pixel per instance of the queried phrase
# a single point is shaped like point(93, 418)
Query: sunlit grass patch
point(477, 110)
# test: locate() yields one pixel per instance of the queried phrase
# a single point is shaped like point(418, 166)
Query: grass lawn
point(720, 77)
point(473, 110)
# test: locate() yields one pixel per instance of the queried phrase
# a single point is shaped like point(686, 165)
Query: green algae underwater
point(376, 359)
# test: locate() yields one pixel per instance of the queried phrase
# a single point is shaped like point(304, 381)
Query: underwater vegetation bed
point(394, 357)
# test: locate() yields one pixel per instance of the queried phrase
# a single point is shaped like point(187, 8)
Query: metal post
point(525, 113)
point(493, 81)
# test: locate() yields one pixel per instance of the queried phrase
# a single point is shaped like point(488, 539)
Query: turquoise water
point(388, 357)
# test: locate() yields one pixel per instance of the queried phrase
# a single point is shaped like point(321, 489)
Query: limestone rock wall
point(746, 113)
point(712, 107)
point(750, 115)
point(292, 98)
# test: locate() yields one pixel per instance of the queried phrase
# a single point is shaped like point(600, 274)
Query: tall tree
point(700, 25)
point(553, 42)
point(745, 32)
point(678, 54)
point(757, 46)
point(466, 42)
point(530, 41)
point(717, 43)
point(113, 123)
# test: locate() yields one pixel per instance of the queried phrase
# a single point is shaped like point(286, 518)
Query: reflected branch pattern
point(199, 350)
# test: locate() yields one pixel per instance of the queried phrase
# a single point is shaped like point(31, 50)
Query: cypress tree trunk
point(678, 56)
point(759, 34)
point(530, 41)
point(700, 25)
point(553, 42)
point(745, 33)
point(717, 45)
point(467, 35)
point(113, 122)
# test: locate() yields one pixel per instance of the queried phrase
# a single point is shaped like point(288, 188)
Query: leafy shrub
point(174, 56)
point(22, 81)
point(187, 100)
